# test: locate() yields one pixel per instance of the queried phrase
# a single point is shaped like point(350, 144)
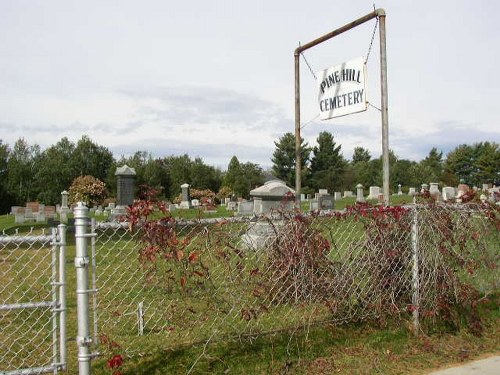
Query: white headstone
point(448, 193)
point(374, 192)
point(313, 205)
point(434, 190)
point(348, 194)
point(412, 191)
point(323, 191)
point(245, 208)
point(359, 194)
point(64, 202)
point(337, 195)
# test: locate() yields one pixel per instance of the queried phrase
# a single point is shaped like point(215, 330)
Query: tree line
point(28, 173)
point(324, 166)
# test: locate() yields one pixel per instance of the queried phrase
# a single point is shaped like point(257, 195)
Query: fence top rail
point(43, 239)
point(459, 207)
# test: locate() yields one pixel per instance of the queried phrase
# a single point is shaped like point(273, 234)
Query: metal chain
point(371, 42)
point(308, 65)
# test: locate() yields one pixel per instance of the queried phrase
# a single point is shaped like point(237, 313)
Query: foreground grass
point(354, 349)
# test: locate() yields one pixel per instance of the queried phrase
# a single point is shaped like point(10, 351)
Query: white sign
point(342, 89)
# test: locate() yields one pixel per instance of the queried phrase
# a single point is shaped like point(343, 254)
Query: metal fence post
point(415, 299)
point(82, 262)
point(62, 293)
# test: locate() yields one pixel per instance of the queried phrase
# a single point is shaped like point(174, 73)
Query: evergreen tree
point(5, 198)
point(474, 164)
point(327, 163)
point(284, 158)
point(21, 169)
point(241, 178)
point(91, 159)
point(360, 154)
point(233, 173)
point(55, 172)
point(434, 163)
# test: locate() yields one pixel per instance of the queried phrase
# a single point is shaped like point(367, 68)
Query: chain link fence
point(235, 278)
point(31, 303)
point(168, 283)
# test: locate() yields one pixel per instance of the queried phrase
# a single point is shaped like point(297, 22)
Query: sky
point(215, 78)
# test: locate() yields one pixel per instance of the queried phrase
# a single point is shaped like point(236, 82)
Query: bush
point(87, 189)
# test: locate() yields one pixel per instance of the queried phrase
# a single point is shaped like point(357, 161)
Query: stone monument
point(185, 197)
point(125, 185)
point(271, 196)
point(360, 198)
point(434, 190)
point(374, 192)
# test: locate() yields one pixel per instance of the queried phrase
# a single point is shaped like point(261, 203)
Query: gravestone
point(185, 197)
point(425, 187)
point(348, 194)
point(64, 203)
point(271, 196)
point(337, 195)
point(313, 205)
point(461, 190)
point(360, 198)
point(245, 208)
point(412, 191)
point(374, 192)
point(19, 215)
point(125, 182)
point(448, 193)
point(232, 206)
point(195, 202)
point(323, 191)
point(486, 187)
point(326, 202)
point(50, 212)
point(434, 190)
point(260, 234)
point(400, 192)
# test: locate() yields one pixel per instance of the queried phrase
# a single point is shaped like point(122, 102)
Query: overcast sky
point(215, 78)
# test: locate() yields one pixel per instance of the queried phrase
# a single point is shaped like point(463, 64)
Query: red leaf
point(115, 362)
point(193, 257)
point(183, 281)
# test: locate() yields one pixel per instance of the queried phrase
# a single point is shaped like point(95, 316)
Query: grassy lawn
point(364, 348)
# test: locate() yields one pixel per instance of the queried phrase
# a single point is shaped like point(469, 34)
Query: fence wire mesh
point(220, 279)
point(27, 303)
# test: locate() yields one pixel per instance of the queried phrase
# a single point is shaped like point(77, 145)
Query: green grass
point(9, 226)
point(198, 213)
point(362, 348)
